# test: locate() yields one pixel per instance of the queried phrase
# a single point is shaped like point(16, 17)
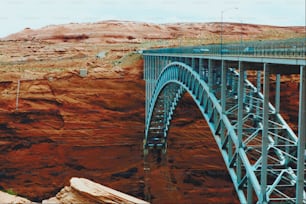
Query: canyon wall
point(68, 126)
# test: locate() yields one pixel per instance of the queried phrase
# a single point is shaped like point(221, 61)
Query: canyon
point(56, 123)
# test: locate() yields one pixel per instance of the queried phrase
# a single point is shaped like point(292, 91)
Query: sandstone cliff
point(68, 126)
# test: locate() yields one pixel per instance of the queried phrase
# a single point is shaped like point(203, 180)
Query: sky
point(16, 15)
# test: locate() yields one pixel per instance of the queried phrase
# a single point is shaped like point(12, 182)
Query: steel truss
point(264, 157)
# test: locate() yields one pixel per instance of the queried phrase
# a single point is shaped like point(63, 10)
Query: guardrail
point(293, 48)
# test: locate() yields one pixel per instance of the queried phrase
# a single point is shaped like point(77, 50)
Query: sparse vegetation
point(128, 59)
point(10, 191)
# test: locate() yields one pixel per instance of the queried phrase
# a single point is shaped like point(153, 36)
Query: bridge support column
point(277, 94)
point(149, 71)
point(193, 63)
point(145, 78)
point(258, 86)
point(210, 74)
point(158, 66)
point(201, 68)
point(250, 191)
point(264, 148)
point(223, 97)
point(235, 85)
point(240, 102)
point(277, 104)
point(301, 138)
point(223, 86)
point(258, 82)
point(240, 114)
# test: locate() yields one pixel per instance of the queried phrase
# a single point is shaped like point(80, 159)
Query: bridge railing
point(289, 48)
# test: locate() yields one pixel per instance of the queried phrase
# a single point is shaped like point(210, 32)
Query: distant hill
point(127, 31)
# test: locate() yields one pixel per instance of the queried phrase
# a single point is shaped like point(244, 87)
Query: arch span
point(242, 155)
point(174, 80)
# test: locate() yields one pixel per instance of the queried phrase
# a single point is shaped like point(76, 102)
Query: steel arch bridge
point(264, 157)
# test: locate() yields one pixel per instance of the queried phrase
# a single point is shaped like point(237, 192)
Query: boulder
point(82, 190)
point(13, 199)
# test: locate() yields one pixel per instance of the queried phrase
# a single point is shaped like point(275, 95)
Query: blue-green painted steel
point(258, 147)
point(300, 193)
point(290, 48)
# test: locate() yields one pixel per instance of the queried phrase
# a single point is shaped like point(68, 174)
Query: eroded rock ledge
point(12, 199)
point(81, 190)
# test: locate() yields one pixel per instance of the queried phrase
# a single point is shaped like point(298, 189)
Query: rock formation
point(92, 127)
point(80, 191)
point(85, 191)
point(13, 199)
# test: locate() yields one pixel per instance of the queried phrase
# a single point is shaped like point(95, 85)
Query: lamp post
point(221, 30)
point(240, 47)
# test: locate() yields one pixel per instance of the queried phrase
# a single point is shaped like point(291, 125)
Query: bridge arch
point(242, 158)
point(175, 78)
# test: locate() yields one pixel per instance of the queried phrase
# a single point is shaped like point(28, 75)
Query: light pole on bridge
point(221, 25)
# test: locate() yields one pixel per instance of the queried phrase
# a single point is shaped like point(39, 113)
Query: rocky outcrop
point(13, 199)
point(82, 190)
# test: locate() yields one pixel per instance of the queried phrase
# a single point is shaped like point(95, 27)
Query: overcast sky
point(16, 15)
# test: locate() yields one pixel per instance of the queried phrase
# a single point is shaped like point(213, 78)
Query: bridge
point(264, 157)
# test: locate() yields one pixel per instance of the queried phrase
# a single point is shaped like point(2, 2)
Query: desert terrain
point(56, 124)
